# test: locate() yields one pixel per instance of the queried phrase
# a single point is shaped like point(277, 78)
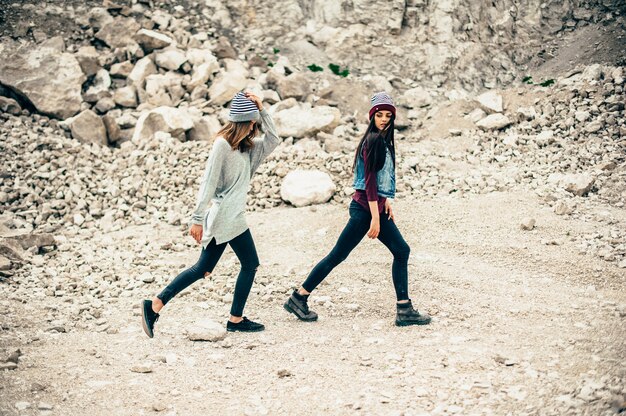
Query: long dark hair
point(376, 142)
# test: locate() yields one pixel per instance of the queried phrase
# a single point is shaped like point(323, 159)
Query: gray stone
point(9, 105)
point(88, 59)
point(52, 81)
point(112, 128)
point(87, 127)
point(122, 69)
point(119, 33)
point(175, 121)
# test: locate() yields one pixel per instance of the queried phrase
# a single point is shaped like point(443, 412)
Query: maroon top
point(371, 188)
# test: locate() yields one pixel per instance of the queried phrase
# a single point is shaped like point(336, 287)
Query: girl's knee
point(402, 252)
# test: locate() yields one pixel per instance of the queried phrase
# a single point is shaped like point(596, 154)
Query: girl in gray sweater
point(235, 156)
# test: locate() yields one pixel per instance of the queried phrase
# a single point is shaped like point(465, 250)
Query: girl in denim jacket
point(370, 214)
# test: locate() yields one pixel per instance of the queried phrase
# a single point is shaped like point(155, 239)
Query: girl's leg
point(205, 265)
point(350, 237)
point(244, 248)
point(391, 237)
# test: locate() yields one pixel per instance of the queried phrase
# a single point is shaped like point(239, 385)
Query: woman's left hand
point(388, 210)
point(255, 99)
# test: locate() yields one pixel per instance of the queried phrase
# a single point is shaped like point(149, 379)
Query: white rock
point(578, 184)
point(174, 121)
point(593, 127)
point(201, 74)
point(527, 224)
point(476, 115)
point(126, 97)
point(101, 82)
point(416, 98)
point(224, 87)
point(490, 101)
point(582, 115)
point(527, 113)
point(307, 187)
point(494, 122)
point(206, 330)
point(171, 58)
point(140, 72)
point(545, 137)
point(302, 120)
point(150, 39)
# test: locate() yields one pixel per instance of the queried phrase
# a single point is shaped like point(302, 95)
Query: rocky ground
point(511, 192)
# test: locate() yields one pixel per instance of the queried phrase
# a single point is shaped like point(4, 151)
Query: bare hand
point(389, 211)
point(374, 228)
point(256, 100)
point(196, 232)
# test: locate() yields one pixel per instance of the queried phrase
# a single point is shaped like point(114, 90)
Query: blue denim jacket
point(385, 178)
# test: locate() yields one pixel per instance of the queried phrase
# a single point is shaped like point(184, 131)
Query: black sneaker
point(297, 304)
point(149, 318)
point(406, 315)
point(244, 326)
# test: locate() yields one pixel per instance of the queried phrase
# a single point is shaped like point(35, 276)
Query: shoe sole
point(412, 323)
point(144, 321)
point(291, 310)
point(245, 330)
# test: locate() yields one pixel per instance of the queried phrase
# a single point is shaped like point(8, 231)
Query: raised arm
point(265, 145)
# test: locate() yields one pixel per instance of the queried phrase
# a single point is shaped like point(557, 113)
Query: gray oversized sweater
point(226, 182)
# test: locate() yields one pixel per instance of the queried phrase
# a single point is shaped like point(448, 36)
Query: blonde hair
point(239, 135)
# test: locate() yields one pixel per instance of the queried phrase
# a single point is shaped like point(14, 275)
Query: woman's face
point(252, 123)
point(382, 119)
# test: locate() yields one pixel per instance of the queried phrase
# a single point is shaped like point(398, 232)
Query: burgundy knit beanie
point(382, 101)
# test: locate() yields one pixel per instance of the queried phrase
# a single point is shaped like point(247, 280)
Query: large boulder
point(307, 187)
point(303, 120)
point(126, 96)
point(87, 127)
point(49, 79)
point(175, 121)
point(88, 59)
point(295, 85)
point(224, 87)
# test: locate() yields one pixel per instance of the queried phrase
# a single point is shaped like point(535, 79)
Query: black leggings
point(243, 246)
point(352, 234)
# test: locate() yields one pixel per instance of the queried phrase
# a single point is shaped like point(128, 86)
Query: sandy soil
point(520, 326)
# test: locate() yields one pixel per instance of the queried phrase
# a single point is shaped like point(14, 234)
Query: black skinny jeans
point(243, 246)
point(351, 236)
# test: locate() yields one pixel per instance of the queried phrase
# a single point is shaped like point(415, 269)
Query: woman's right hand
point(374, 228)
point(196, 232)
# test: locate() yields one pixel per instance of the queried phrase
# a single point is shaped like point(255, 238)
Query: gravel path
point(521, 325)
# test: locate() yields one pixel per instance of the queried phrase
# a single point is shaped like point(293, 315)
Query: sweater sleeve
point(266, 145)
point(210, 179)
point(371, 184)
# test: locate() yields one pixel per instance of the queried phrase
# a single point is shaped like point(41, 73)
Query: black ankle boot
point(406, 315)
point(298, 305)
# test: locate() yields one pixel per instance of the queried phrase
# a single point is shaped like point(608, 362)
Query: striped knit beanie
point(242, 109)
point(382, 101)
